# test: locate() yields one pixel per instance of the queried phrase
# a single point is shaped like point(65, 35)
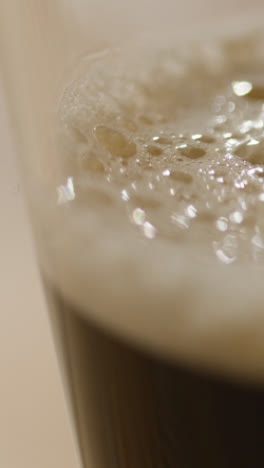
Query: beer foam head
point(158, 230)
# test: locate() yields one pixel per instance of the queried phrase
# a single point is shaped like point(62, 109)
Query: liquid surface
point(160, 198)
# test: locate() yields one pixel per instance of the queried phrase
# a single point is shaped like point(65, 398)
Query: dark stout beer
point(133, 409)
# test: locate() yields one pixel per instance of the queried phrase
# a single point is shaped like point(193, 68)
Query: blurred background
point(34, 429)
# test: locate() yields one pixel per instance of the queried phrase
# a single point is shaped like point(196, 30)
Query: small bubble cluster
point(177, 139)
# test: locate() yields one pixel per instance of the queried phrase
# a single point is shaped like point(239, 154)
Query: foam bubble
point(114, 142)
point(180, 176)
point(154, 150)
point(192, 152)
point(251, 150)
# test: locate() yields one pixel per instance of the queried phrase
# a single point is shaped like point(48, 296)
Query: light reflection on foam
point(241, 88)
point(66, 192)
point(139, 216)
point(191, 211)
point(124, 195)
point(222, 224)
point(149, 230)
point(221, 255)
point(236, 217)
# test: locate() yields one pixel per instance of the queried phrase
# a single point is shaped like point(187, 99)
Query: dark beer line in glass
point(133, 410)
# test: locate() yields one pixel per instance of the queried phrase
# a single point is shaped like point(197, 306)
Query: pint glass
point(149, 382)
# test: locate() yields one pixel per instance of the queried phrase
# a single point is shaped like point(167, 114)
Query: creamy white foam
point(156, 229)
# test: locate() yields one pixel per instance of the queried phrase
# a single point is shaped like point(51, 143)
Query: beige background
point(34, 430)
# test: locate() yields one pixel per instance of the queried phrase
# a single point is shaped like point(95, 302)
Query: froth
point(160, 198)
